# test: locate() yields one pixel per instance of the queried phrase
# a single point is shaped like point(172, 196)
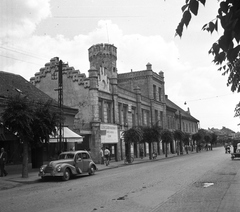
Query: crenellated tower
point(104, 56)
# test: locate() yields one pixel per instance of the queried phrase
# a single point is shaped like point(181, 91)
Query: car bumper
point(52, 174)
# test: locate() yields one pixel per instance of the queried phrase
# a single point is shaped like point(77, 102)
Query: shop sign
point(109, 133)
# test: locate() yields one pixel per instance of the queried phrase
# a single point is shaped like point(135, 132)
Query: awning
point(67, 136)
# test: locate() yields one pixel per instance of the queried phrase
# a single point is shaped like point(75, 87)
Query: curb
point(29, 180)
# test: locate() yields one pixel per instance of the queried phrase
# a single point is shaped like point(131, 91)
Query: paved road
point(175, 184)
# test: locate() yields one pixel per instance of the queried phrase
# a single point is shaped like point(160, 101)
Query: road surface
point(205, 181)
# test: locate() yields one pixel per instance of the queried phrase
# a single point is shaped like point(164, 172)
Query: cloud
point(184, 79)
point(134, 51)
point(19, 18)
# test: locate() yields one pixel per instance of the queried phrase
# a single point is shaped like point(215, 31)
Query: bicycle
point(128, 160)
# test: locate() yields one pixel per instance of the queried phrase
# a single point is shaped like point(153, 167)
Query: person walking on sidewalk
point(107, 156)
point(141, 153)
point(102, 156)
point(3, 160)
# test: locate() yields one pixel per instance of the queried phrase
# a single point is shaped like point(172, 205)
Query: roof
point(13, 84)
point(172, 106)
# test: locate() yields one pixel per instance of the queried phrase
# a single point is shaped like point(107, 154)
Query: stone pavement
point(15, 171)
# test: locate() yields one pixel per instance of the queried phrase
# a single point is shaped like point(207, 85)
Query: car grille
point(48, 169)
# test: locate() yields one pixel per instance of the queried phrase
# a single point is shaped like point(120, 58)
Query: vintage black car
point(69, 164)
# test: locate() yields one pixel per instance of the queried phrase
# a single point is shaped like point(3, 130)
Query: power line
point(21, 53)
point(206, 98)
point(20, 60)
point(76, 17)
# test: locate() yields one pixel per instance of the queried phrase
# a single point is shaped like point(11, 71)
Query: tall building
point(108, 103)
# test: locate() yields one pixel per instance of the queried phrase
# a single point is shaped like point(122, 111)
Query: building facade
point(108, 103)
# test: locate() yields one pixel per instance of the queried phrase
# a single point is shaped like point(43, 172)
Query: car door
point(86, 161)
point(79, 163)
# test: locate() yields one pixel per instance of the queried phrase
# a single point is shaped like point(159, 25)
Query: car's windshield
point(66, 156)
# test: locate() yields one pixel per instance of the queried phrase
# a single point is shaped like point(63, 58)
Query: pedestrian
point(186, 148)
point(141, 153)
point(102, 156)
point(227, 147)
point(107, 156)
point(3, 160)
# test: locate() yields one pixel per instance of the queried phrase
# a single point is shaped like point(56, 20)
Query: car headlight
point(58, 168)
point(42, 168)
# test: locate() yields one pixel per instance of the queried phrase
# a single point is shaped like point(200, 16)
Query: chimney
point(149, 67)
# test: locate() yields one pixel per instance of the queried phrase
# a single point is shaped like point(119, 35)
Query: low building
point(12, 85)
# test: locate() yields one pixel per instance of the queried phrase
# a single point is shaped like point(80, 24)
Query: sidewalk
point(15, 171)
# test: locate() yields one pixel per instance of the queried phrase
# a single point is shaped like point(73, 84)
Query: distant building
point(179, 119)
point(109, 103)
point(224, 133)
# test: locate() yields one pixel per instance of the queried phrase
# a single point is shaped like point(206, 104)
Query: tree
point(214, 139)
point(150, 135)
point(207, 139)
point(29, 121)
point(167, 137)
point(197, 138)
point(178, 137)
point(186, 139)
point(226, 49)
point(132, 135)
point(45, 122)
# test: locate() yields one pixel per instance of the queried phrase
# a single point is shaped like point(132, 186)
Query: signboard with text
point(109, 133)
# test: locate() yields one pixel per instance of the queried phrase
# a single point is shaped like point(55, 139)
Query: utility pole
point(60, 102)
point(180, 126)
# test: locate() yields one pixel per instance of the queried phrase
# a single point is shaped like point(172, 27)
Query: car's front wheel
point(66, 175)
point(92, 170)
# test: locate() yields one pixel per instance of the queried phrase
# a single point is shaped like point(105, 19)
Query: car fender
point(92, 164)
point(71, 167)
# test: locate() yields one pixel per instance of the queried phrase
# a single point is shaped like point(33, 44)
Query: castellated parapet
point(52, 69)
point(104, 56)
point(103, 49)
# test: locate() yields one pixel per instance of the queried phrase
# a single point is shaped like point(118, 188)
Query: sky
point(33, 32)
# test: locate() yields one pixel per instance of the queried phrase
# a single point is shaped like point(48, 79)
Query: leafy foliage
point(30, 121)
point(44, 123)
point(167, 136)
point(186, 138)
point(132, 135)
point(197, 137)
point(18, 116)
point(208, 138)
point(150, 134)
point(214, 138)
point(226, 49)
point(178, 135)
